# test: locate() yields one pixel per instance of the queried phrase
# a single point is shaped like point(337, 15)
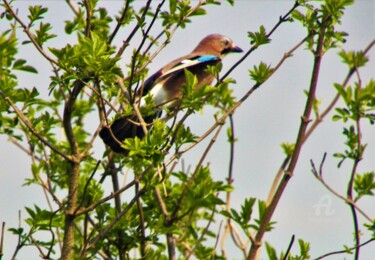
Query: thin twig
point(349, 192)
point(204, 232)
point(345, 251)
point(116, 219)
point(236, 238)
point(319, 176)
point(289, 248)
point(133, 32)
point(216, 241)
point(88, 18)
point(282, 19)
point(109, 197)
point(119, 22)
point(2, 239)
point(277, 179)
point(87, 185)
point(197, 168)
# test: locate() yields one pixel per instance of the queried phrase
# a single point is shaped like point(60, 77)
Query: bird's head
point(216, 44)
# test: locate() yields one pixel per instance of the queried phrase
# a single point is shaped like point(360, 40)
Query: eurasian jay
point(165, 87)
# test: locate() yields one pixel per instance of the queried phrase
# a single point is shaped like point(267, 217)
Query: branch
point(119, 22)
point(305, 119)
point(289, 248)
point(116, 219)
point(253, 48)
point(345, 250)
point(349, 192)
point(213, 140)
point(109, 197)
point(141, 223)
point(320, 117)
point(319, 176)
point(88, 18)
point(29, 34)
point(202, 238)
point(133, 32)
point(27, 123)
point(2, 240)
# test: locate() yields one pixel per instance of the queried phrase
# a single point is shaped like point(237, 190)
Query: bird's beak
point(235, 48)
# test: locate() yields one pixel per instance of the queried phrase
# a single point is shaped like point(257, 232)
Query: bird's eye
point(226, 42)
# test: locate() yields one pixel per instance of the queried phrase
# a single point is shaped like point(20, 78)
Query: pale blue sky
point(268, 118)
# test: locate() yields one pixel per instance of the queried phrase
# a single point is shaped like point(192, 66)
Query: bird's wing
point(177, 66)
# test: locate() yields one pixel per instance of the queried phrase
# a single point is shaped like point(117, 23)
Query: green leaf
point(288, 148)
point(36, 13)
point(304, 249)
point(260, 37)
point(20, 65)
point(261, 72)
point(364, 184)
point(42, 35)
point(271, 252)
point(353, 59)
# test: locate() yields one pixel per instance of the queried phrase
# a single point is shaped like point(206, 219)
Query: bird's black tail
point(122, 128)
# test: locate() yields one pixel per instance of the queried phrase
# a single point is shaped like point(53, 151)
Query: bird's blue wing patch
point(207, 58)
point(185, 64)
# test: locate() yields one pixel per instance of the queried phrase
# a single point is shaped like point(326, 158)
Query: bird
point(165, 88)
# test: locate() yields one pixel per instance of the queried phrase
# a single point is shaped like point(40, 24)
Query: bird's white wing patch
point(158, 94)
